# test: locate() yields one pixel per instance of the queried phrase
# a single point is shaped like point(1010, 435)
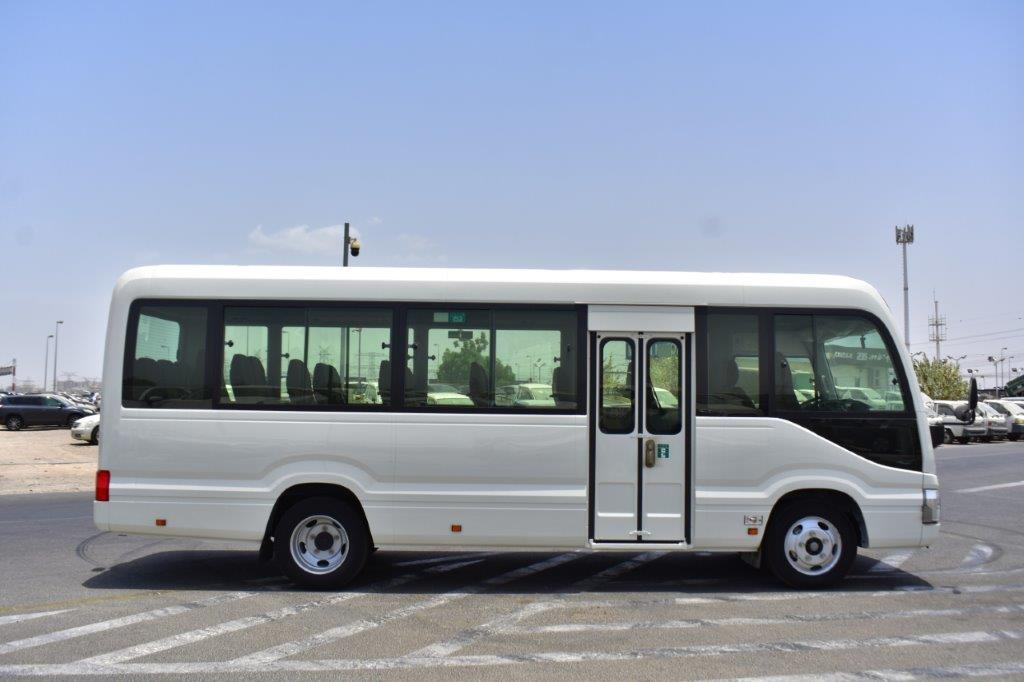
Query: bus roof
point(614, 287)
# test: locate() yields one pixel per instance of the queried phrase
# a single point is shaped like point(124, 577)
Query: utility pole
point(937, 333)
point(46, 362)
point(56, 339)
point(904, 236)
point(350, 244)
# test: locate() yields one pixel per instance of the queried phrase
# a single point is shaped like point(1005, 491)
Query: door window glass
point(617, 387)
point(834, 363)
point(663, 412)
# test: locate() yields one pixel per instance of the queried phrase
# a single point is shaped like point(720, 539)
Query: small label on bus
point(663, 451)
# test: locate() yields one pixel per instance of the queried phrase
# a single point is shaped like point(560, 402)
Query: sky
point(767, 137)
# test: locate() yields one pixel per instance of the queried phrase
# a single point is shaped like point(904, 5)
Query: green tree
point(454, 367)
point(940, 379)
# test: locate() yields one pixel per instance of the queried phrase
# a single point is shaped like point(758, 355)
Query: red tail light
point(103, 486)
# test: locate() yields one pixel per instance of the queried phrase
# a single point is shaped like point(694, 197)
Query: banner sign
point(7, 371)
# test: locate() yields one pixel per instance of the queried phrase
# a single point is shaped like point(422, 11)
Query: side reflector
point(161, 522)
point(456, 527)
point(102, 485)
point(751, 531)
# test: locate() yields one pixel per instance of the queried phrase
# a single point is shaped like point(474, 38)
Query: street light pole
point(905, 236)
point(46, 362)
point(56, 340)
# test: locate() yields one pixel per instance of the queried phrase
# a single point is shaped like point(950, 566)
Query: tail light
point(102, 485)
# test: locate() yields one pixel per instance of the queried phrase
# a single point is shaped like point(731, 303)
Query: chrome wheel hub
point(319, 544)
point(813, 545)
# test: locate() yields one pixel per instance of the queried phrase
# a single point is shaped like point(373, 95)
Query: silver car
point(87, 429)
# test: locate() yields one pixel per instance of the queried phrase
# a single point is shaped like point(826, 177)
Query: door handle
point(649, 453)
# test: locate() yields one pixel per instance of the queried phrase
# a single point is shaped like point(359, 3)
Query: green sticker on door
point(662, 450)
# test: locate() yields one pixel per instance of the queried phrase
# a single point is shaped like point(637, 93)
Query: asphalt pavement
point(75, 602)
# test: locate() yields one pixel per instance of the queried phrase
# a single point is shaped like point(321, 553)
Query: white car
point(1013, 412)
point(997, 427)
point(957, 430)
point(87, 429)
point(863, 394)
point(525, 395)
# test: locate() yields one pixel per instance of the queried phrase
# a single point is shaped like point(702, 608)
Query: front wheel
point(810, 545)
point(321, 542)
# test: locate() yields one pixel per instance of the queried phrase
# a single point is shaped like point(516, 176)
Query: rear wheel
point(810, 545)
point(321, 542)
point(14, 423)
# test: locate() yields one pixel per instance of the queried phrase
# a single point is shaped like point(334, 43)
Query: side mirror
point(967, 414)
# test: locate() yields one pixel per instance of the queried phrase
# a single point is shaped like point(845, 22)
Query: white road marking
point(19, 617)
point(977, 670)
point(467, 637)
point(113, 623)
point(979, 554)
point(711, 598)
point(740, 621)
point(891, 562)
point(446, 559)
point(291, 648)
point(998, 486)
point(246, 622)
point(693, 651)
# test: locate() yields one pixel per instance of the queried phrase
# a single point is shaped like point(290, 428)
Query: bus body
point(516, 409)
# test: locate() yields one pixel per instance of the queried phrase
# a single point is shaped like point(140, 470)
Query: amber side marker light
point(161, 522)
point(103, 486)
point(751, 531)
point(456, 527)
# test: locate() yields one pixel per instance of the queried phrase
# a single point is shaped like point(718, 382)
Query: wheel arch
point(302, 491)
point(831, 497)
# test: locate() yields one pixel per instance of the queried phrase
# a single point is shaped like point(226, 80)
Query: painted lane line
point(949, 672)
point(405, 662)
point(113, 623)
point(246, 622)
point(984, 488)
point(447, 559)
point(711, 598)
point(292, 648)
point(891, 563)
point(472, 635)
point(19, 617)
point(740, 621)
point(979, 554)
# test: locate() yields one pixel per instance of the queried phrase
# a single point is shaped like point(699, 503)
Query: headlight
point(1018, 420)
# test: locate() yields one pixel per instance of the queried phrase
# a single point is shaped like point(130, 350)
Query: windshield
point(998, 408)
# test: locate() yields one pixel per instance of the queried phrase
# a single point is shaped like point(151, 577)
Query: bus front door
point(639, 434)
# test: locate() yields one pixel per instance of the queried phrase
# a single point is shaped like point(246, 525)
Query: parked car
point(19, 411)
point(863, 394)
point(955, 429)
point(525, 395)
point(87, 428)
point(997, 427)
point(1014, 414)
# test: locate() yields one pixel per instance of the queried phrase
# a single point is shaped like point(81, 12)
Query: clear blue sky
point(719, 136)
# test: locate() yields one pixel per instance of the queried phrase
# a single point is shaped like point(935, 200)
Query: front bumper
point(81, 434)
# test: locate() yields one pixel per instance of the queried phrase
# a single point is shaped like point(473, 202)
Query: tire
point(1014, 436)
point(963, 440)
point(95, 437)
point(322, 542)
point(14, 423)
point(947, 437)
point(810, 544)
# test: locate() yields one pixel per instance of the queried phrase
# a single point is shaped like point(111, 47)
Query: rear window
point(166, 359)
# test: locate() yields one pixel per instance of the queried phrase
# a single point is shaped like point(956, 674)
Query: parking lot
point(78, 602)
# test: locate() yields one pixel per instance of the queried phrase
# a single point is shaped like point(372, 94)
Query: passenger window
point(167, 366)
point(663, 413)
point(306, 356)
point(481, 358)
point(733, 386)
point(834, 363)
point(617, 382)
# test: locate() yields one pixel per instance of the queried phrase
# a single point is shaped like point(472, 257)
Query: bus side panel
point(218, 473)
point(506, 480)
point(744, 465)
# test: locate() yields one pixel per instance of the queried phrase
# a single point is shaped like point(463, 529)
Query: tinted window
point(998, 408)
point(474, 358)
point(733, 385)
point(663, 413)
point(617, 382)
point(833, 363)
point(306, 356)
point(167, 365)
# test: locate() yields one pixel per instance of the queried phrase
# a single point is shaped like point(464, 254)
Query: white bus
point(326, 412)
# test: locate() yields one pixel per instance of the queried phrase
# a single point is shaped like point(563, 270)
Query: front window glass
point(833, 363)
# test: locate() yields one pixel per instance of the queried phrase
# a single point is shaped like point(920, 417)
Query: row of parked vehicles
point(80, 412)
point(995, 419)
